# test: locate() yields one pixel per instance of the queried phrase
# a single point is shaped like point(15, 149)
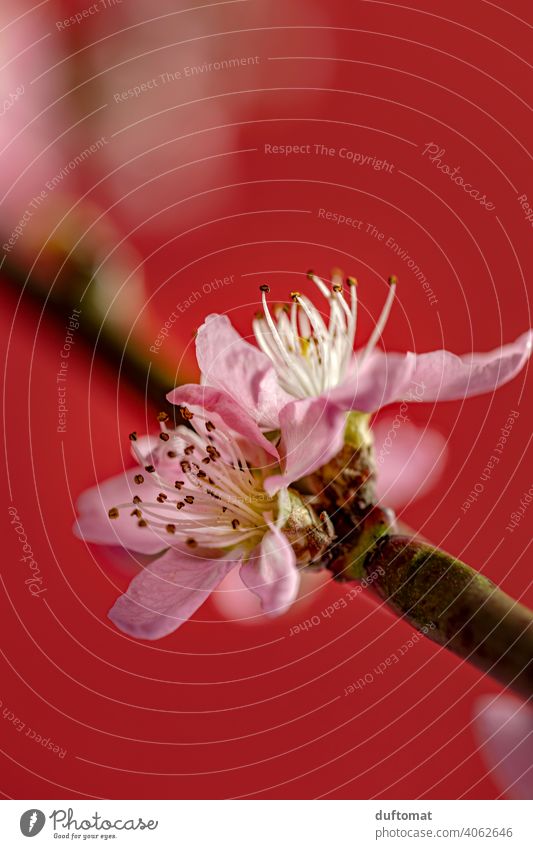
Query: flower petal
point(166, 593)
point(218, 404)
point(271, 572)
point(409, 459)
point(312, 432)
point(447, 377)
point(230, 363)
point(369, 385)
point(94, 524)
point(504, 728)
point(234, 602)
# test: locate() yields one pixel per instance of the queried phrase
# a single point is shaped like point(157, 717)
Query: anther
point(185, 466)
point(351, 281)
point(209, 426)
point(164, 436)
point(191, 542)
point(180, 504)
point(171, 529)
point(235, 524)
point(137, 513)
point(133, 436)
point(201, 474)
point(138, 479)
point(161, 498)
point(186, 413)
point(179, 484)
point(162, 417)
point(189, 499)
point(295, 296)
point(142, 523)
point(337, 287)
point(264, 288)
point(393, 280)
point(113, 513)
point(136, 499)
point(188, 450)
point(171, 454)
point(149, 469)
point(310, 274)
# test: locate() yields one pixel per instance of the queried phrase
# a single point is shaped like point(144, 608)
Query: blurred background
point(158, 162)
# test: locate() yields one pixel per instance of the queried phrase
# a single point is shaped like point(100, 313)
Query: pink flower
point(409, 461)
point(304, 375)
point(196, 504)
point(504, 729)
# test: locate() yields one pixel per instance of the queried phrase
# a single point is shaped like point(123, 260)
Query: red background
point(222, 709)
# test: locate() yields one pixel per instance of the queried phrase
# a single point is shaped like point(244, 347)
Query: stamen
point(382, 320)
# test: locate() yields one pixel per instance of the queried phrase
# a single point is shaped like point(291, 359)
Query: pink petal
point(369, 385)
point(94, 524)
point(224, 411)
point(447, 377)
point(230, 363)
point(167, 593)
point(409, 459)
point(504, 728)
point(312, 432)
point(234, 602)
point(271, 572)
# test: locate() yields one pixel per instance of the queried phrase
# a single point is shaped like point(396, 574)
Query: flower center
point(208, 493)
point(309, 355)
